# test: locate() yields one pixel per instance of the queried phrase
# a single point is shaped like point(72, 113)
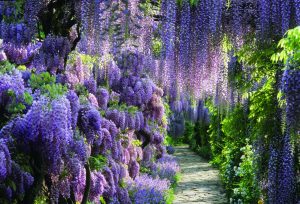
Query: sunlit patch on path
point(200, 182)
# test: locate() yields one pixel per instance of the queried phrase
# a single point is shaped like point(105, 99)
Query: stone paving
point(200, 182)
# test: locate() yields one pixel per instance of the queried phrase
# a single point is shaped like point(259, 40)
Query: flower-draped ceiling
point(192, 34)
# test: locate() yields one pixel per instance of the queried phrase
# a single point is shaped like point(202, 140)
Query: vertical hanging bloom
point(286, 177)
point(185, 38)
point(102, 98)
point(291, 89)
point(168, 35)
point(264, 16)
point(276, 15)
point(297, 10)
point(285, 15)
point(273, 175)
point(75, 105)
point(215, 13)
point(5, 161)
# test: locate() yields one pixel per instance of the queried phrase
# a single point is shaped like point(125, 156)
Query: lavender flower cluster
point(52, 54)
point(21, 54)
point(125, 119)
point(17, 33)
point(166, 168)
point(145, 189)
point(136, 91)
point(77, 140)
point(291, 89)
point(131, 60)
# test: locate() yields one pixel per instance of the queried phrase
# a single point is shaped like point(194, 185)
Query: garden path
point(200, 182)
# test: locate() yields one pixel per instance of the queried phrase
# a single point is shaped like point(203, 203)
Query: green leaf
point(28, 98)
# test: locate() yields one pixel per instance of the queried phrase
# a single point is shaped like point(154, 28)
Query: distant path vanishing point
point(200, 182)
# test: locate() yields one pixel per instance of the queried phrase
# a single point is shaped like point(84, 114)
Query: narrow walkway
point(200, 182)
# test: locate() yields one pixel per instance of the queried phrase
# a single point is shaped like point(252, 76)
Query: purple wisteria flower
point(145, 189)
point(5, 161)
point(166, 168)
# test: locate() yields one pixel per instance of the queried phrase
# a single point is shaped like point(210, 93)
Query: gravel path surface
point(200, 182)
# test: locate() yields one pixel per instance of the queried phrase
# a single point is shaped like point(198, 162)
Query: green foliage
point(156, 46)
point(97, 162)
point(204, 151)
point(196, 134)
point(177, 178)
point(169, 196)
point(168, 140)
point(102, 200)
point(167, 113)
point(234, 127)
point(83, 100)
point(257, 58)
point(188, 134)
point(39, 80)
point(15, 108)
point(41, 34)
point(228, 3)
point(81, 90)
point(46, 84)
point(17, 105)
point(235, 133)
point(87, 60)
point(145, 170)
point(289, 46)
point(54, 90)
point(263, 104)
point(215, 133)
point(5, 67)
point(114, 104)
point(132, 109)
point(41, 200)
point(247, 189)
point(136, 143)
point(192, 2)
point(122, 183)
point(17, 17)
point(148, 7)
point(21, 67)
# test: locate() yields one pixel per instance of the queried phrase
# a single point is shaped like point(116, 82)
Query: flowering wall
point(78, 124)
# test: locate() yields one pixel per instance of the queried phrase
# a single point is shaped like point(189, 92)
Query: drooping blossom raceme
point(14, 83)
point(21, 54)
point(90, 123)
point(91, 85)
point(110, 189)
point(75, 106)
point(98, 184)
point(134, 169)
point(23, 179)
point(51, 126)
point(5, 162)
point(102, 96)
point(16, 33)
point(52, 54)
point(273, 174)
point(93, 100)
point(286, 175)
point(291, 89)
